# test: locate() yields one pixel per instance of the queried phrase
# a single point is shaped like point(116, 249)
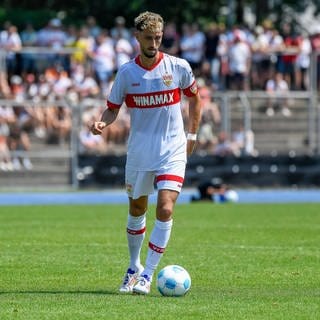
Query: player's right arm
point(114, 102)
point(108, 116)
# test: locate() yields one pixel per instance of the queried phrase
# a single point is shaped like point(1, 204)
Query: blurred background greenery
point(229, 12)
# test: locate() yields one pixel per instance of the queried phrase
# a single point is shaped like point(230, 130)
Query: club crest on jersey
point(167, 79)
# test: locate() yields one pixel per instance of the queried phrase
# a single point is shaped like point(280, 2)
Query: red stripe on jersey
point(192, 90)
point(134, 232)
point(111, 105)
point(153, 99)
point(170, 177)
point(156, 248)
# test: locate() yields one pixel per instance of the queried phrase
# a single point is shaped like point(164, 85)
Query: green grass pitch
point(246, 261)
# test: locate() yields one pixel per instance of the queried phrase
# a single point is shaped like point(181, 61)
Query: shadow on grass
point(76, 292)
point(95, 292)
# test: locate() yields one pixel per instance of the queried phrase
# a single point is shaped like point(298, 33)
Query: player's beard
point(149, 55)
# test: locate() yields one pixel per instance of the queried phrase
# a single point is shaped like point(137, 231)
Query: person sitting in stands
point(278, 90)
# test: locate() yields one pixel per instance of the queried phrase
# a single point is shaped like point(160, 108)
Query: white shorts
point(141, 183)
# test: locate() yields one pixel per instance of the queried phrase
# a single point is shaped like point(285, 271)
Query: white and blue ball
point(231, 196)
point(173, 281)
point(227, 197)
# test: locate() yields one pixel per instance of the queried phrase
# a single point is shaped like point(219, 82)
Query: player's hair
point(148, 20)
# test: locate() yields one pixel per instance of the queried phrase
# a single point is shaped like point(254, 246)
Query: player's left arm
point(190, 90)
point(194, 121)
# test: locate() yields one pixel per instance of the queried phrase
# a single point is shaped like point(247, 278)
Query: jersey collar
point(138, 62)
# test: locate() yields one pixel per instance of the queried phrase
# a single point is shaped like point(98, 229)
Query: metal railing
point(226, 101)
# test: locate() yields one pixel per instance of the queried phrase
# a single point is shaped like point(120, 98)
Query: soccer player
point(151, 85)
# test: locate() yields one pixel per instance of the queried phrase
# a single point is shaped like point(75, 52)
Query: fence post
point(225, 113)
point(314, 128)
point(246, 117)
point(76, 111)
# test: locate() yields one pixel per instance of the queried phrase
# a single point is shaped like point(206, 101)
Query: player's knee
point(164, 213)
point(137, 209)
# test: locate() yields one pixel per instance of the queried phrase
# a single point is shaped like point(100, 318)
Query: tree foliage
point(177, 10)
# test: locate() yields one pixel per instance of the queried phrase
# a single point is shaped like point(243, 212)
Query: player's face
point(150, 42)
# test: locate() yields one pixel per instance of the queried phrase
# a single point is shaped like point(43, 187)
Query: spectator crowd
point(41, 70)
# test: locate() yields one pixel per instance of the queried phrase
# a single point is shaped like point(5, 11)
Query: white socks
point(136, 228)
point(158, 241)
point(159, 238)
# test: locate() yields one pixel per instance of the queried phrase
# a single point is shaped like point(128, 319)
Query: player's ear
point(136, 34)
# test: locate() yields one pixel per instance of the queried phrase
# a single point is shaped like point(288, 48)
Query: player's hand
point(97, 127)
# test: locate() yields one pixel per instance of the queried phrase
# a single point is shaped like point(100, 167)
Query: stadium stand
point(52, 96)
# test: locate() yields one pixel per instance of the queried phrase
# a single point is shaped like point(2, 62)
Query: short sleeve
point(187, 79)
point(118, 91)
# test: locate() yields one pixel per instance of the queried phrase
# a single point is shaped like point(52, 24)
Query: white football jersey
point(153, 97)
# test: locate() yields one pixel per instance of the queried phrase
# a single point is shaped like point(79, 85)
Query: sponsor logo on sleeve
point(194, 88)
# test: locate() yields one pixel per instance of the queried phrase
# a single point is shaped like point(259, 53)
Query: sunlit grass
point(245, 261)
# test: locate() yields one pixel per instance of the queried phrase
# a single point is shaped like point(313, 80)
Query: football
point(231, 196)
point(173, 281)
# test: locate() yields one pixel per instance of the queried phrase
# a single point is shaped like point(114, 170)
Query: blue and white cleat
point(129, 280)
point(142, 285)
